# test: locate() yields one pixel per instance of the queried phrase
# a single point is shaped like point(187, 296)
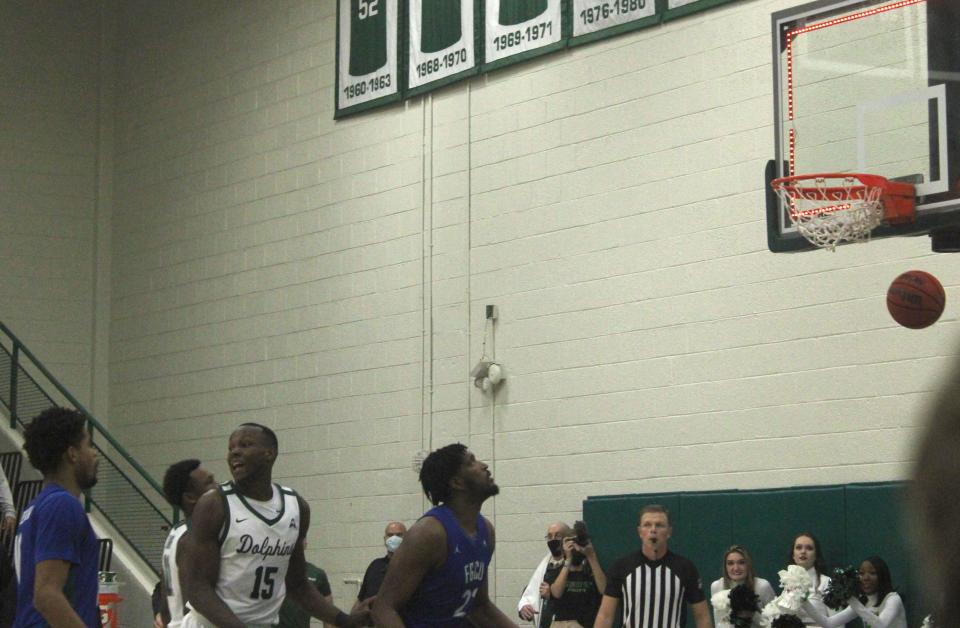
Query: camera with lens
point(581, 537)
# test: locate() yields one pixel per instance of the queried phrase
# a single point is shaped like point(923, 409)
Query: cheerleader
point(880, 607)
point(805, 552)
point(737, 569)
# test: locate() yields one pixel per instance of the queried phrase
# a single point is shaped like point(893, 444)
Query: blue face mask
point(393, 542)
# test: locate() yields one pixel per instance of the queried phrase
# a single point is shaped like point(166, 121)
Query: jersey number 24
point(468, 596)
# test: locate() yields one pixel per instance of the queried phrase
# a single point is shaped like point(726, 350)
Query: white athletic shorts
point(194, 619)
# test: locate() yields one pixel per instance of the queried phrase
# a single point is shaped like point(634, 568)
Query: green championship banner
point(591, 16)
point(441, 42)
point(366, 53)
point(519, 29)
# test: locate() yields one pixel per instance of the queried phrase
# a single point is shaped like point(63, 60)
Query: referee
point(653, 583)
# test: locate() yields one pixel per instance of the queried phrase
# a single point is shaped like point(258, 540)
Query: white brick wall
point(268, 264)
point(48, 142)
point(329, 278)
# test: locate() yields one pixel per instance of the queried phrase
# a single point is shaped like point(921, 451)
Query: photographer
point(535, 603)
point(576, 584)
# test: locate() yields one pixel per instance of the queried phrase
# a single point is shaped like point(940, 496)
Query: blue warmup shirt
point(446, 595)
point(55, 527)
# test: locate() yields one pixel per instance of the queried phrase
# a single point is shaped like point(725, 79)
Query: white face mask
point(393, 542)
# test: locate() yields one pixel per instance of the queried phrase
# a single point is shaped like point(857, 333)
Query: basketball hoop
point(830, 208)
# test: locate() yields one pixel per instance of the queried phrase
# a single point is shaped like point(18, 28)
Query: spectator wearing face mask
point(373, 578)
point(534, 605)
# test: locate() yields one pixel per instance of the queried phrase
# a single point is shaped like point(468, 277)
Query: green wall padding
point(703, 520)
point(851, 521)
point(772, 518)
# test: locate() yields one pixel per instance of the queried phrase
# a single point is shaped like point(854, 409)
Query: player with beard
point(244, 552)
point(56, 550)
point(438, 576)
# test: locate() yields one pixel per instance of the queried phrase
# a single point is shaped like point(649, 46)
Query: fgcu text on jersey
point(473, 572)
point(446, 595)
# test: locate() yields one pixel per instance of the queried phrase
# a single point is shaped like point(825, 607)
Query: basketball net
point(828, 209)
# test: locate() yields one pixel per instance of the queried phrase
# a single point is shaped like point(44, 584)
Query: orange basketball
point(915, 299)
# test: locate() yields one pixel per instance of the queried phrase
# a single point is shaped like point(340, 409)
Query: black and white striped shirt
point(654, 593)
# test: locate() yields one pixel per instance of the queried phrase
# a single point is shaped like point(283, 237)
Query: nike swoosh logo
point(238, 520)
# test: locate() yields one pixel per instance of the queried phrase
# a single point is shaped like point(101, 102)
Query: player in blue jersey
point(56, 550)
point(438, 576)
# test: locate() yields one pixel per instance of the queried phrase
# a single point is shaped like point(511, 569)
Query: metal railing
point(125, 494)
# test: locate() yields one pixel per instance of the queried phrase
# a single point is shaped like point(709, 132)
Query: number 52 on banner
point(367, 51)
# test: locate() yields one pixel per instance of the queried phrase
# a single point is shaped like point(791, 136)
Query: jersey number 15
point(263, 583)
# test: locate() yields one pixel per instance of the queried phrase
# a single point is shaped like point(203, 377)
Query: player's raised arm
point(305, 594)
point(424, 547)
point(202, 552)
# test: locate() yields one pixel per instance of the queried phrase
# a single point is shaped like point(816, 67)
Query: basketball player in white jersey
point(183, 484)
point(244, 549)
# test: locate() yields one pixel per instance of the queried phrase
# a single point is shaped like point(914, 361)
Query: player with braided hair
point(438, 576)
